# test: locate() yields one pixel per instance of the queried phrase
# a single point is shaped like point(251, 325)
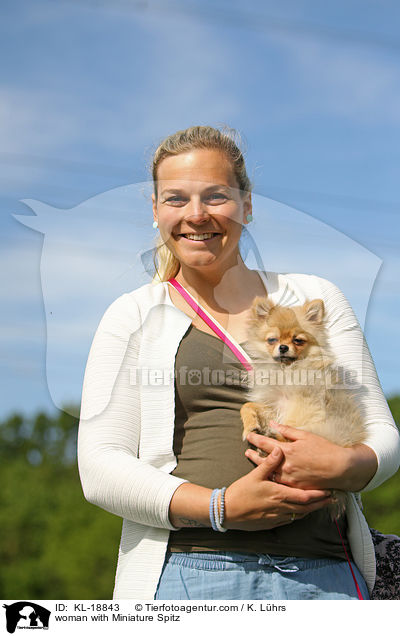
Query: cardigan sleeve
point(352, 354)
point(111, 472)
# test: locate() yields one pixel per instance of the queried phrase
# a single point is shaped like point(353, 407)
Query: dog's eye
point(298, 341)
point(272, 340)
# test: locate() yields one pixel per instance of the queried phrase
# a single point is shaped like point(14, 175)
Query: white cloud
point(170, 75)
point(342, 78)
point(19, 273)
point(35, 121)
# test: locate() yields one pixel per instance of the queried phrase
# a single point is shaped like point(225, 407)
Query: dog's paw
point(246, 431)
point(249, 415)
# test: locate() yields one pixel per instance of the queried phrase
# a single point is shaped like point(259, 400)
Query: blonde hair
point(227, 141)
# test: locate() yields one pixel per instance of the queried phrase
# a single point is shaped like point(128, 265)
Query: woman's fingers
point(290, 432)
point(268, 443)
point(290, 519)
point(287, 494)
point(302, 497)
point(300, 511)
point(295, 500)
point(268, 468)
point(255, 502)
point(264, 443)
point(254, 456)
point(270, 463)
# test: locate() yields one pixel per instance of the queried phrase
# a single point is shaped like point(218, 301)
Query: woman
point(153, 450)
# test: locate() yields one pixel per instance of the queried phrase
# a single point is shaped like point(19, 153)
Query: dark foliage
point(55, 545)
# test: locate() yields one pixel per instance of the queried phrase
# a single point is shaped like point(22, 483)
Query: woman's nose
point(197, 211)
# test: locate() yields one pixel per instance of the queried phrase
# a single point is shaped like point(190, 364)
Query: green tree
point(382, 505)
point(53, 543)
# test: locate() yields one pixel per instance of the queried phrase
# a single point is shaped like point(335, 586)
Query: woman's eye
point(178, 199)
point(217, 196)
point(175, 199)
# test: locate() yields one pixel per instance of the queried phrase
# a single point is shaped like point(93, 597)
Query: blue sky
point(89, 87)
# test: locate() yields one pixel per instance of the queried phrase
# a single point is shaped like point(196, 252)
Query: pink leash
point(225, 338)
point(360, 596)
point(210, 322)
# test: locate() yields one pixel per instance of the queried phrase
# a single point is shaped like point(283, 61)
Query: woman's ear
point(155, 215)
point(247, 206)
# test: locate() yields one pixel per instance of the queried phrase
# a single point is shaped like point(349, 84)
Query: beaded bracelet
point(214, 496)
point(222, 506)
point(216, 518)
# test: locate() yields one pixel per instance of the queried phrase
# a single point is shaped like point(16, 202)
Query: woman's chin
point(198, 262)
point(194, 257)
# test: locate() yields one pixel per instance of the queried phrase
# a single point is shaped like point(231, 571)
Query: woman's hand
point(311, 461)
point(254, 502)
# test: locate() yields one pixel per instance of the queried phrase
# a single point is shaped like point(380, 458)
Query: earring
point(155, 224)
point(249, 218)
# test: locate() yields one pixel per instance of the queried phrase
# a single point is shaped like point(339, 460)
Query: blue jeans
point(231, 575)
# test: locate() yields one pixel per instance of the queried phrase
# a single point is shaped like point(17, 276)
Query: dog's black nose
point(283, 348)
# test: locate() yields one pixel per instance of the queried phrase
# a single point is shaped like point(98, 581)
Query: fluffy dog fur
point(295, 379)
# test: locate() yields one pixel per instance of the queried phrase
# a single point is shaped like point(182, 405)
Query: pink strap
point(360, 596)
point(209, 321)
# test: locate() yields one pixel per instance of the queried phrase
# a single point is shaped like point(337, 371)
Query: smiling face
point(199, 209)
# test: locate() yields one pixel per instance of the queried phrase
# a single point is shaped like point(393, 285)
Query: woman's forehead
point(201, 167)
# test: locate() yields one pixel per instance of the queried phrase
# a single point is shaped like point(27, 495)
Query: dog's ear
point(314, 311)
point(262, 306)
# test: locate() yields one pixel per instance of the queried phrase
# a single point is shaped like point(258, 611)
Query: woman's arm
point(352, 354)
point(112, 475)
point(359, 468)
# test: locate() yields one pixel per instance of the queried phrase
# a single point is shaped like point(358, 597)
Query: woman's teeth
point(199, 237)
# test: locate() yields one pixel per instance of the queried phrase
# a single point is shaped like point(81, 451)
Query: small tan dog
point(293, 370)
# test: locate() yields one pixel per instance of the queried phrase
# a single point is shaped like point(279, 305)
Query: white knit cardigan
point(125, 441)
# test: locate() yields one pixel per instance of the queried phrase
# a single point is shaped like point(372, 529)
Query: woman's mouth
point(206, 236)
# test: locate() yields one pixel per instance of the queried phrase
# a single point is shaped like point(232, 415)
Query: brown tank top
point(210, 387)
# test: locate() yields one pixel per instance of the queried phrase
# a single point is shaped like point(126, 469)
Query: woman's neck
point(228, 290)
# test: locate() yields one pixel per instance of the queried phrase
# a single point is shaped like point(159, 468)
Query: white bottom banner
point(176, 617)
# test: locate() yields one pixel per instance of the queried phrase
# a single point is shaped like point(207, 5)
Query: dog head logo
point(25, 615)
